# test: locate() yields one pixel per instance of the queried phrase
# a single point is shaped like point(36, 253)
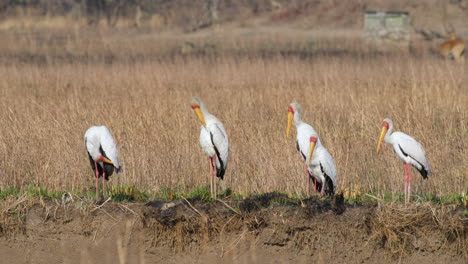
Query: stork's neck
point(388, 136)
point(297, 119)
point(204, 110)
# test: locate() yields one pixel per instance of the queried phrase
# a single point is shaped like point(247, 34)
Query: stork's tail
point(329, 187)
point(425, 173)
point(220, 173)
point(119, 169)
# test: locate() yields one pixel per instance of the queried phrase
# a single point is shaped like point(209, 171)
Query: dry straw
point(51, 96)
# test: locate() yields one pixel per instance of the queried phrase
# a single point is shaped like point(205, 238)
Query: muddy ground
point(265, 229)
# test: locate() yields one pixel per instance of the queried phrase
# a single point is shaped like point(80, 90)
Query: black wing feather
point(423, 170)
point(219, 173)
point(329, 188)
point(298, 149)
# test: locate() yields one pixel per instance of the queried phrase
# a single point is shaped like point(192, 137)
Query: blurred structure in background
point(387, 29)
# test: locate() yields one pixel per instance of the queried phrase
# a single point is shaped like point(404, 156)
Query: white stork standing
point(214, 141)
point(103, 154)
point(408, 150)
point(319, 164)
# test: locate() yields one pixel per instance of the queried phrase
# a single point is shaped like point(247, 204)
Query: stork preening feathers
point(214, 141)
point(320, 166)
point(103, 154)
point(408, 150)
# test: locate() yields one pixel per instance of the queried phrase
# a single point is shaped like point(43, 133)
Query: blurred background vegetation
point(192, 15)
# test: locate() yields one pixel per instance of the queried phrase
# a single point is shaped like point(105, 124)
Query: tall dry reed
point(46, 106)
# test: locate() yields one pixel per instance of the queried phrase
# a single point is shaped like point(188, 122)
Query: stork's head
point(294, 112)
point(199, 107)
point(386, 125)
point(105, 160)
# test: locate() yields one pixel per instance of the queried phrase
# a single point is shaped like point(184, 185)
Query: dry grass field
point(56, 84)
point(56, 81)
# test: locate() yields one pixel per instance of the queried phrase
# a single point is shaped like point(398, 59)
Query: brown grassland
point(56, 83)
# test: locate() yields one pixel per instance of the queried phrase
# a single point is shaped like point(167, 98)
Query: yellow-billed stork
point(214, 141)
point(408, 150)
point(319, 163)
point(103, 154)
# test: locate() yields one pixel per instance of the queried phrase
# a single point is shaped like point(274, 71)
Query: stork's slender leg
point(215, 185)
point(210, 159)
point(307, 182)
point(104, 184)
point(97, 179)
point(322, 192)
point(409, 182)
point(315, 186)
point(214, 178)
point(406, 181)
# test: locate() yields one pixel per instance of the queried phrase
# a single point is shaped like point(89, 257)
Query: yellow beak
point(290, 119)
point(382, 135)
point(311, 150)
point(200, 116)
point(106, 160)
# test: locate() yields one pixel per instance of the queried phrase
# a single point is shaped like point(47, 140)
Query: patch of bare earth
point(269, 228)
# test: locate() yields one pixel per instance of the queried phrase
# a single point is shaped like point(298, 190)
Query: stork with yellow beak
point(408, 150)
point(319, 163)
point(214, 141)
point(103, 154)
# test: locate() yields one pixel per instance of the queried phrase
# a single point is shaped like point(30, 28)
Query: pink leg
point(315, 186)
point(409, 182)
point(97, 179)
point(104, 184)
point(322, 192)
point(307, 183)
point(406, 181)
point(214, 179)
point(214, 165)
point(211, 175)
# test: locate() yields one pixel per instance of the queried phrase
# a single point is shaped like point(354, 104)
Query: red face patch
point(195, 106)
point(313, 139)
point(386, 125)
point(290, 110)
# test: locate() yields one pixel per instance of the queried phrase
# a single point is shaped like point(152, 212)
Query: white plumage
point(98, 139)
point(103, 153)
point(213, 140)
point(322, 166)
point(408, 150)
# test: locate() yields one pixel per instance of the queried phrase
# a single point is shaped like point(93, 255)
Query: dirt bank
point(267, 229)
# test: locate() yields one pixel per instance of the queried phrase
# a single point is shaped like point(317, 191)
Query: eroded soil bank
point(266, 229)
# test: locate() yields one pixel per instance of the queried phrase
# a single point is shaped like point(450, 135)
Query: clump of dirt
point(185, 223)
point(263, 229)
point(316, 205)
point(311, 205)
point(257, 202)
